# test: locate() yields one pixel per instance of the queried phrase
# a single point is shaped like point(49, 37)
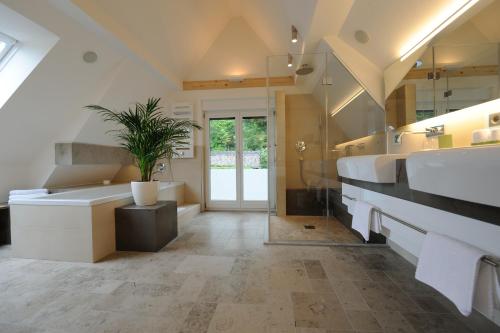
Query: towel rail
point(487, 259)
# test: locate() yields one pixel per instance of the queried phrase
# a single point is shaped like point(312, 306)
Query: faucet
point(398, 138)
point(429, 132)
point(348, 150)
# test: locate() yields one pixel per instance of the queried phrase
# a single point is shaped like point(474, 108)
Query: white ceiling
point(236, 52)
point(389, 24)
point(176, 36)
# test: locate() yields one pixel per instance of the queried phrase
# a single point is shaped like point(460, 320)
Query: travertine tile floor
point(218, 277)
point(291, 228)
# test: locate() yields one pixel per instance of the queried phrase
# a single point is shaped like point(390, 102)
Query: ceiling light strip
point(347, 102)
point(456, 14)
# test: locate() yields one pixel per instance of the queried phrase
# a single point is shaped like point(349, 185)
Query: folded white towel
point(362, 219)
point(25, 196)
point(451, 267)
point(33, 191)
point(487, 295)
point(376, 222)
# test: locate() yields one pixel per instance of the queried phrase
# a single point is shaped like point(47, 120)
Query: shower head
point(304, 70)
point(300, 146)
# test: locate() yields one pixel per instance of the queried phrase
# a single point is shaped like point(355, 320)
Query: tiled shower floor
point(219, 277)
point(291, 228)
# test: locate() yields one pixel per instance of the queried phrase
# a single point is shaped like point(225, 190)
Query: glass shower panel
point(302, 168)
point(356, 126)
point(326, 115)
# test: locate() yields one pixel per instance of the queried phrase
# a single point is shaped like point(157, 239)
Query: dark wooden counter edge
point(401, 190)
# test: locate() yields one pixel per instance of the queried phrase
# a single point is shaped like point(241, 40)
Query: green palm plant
point(147, 133)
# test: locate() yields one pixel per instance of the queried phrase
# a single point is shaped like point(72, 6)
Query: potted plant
point(149, 136)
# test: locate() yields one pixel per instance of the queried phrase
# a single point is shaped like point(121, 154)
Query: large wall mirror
point(458, 69)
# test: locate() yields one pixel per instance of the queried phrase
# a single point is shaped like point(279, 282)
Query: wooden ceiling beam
point(421, 73)
point(244, 83)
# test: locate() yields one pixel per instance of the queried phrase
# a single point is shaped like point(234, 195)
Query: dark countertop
point(401, 190)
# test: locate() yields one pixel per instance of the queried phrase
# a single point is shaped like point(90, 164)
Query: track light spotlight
point(295, 34)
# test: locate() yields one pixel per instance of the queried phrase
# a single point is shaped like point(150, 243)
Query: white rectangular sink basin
point(471, 174)
point(370, 168)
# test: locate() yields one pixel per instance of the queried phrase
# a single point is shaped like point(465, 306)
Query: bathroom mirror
point(458, 69)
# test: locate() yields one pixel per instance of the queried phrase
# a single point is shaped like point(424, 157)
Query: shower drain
point(309, 226)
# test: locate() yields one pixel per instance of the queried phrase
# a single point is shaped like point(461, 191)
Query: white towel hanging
point(365, 216)
point(450, 266)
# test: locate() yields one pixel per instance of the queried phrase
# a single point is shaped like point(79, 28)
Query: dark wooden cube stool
point(145, 228)
point(4, 224)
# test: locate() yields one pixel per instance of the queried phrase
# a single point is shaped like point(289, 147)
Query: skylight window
point(7, 44)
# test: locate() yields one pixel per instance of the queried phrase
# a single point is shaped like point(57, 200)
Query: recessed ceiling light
point(361, 36)
point(90, 57)
point(295, 34)
point(290, 60)
point(418, 63)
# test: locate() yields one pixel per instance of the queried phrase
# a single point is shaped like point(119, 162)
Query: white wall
point(47, 107)
point(191, 171)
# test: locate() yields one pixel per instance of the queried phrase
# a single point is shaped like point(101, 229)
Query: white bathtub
point(98, 195)
point(77, 225)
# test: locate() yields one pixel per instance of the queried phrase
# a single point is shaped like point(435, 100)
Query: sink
point(370, 168)
point(471, 174)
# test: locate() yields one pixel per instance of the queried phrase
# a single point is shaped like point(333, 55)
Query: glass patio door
point(236, 160)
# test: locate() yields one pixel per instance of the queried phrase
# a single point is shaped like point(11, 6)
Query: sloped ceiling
point(389, 24)
point(487, 22)
point(173, 34)
point(237, 51)
point(176, 35)
point(272, 19)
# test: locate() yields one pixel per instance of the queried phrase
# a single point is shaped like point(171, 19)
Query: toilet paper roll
point(481, 135)
point(495, 134)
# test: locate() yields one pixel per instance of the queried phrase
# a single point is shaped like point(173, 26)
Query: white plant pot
point(145, 193)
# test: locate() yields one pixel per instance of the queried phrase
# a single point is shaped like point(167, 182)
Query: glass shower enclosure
point(327, 114)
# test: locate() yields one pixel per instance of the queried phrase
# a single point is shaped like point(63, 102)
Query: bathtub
point(75, 225)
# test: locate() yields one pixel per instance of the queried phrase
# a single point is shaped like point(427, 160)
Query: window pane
point(222, 159)
point(254, 158)
point(2, 46)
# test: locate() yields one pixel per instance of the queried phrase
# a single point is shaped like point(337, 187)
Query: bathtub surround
point(77, 153)
point(75, 225)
